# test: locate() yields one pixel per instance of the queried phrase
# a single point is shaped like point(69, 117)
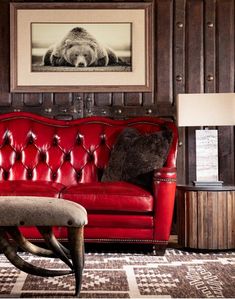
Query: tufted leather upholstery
point(40, 156)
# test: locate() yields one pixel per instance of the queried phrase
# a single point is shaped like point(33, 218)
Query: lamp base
point(210, 184)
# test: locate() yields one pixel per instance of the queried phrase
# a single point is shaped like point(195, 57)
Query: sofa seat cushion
point(33, 188)
point(110, 196)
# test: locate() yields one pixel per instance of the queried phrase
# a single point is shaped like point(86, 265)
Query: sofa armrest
point(164, 187)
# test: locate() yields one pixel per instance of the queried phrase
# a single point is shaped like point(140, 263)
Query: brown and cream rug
point(177, 274)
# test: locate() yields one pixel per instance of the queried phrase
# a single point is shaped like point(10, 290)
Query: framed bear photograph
point(74, 47)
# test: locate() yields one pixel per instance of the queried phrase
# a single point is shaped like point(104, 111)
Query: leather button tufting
point(79, 176)
point(29, 174)
point(18, 156)
point(5, 174)
point(55, 141)
point(42, 157)
point(54, 176)
point(79, 140)
point(6, 140)
point(90, 157)
point(67, 157)
point(30, 139)
point(102, 139)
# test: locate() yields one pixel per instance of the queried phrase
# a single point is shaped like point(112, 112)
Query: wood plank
point(225, 46)
point(210, 219)
point(192, 221)
point(215, 204)
point(5, 96)
point(103, 99)
point(118, 99)
point(226, 155)
point(164, 59)
point(181, 216)
point(33, 99)
point(63, 99)
point(200, 217)
point(220, 220)
point(179, 47)
point(191, 155)
point(210, 48)
point(133, 99)
point(194, 47)
point(179, 80)
point(233, 220)
point(230, 217)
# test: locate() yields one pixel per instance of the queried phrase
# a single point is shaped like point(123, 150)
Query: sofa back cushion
point(68, 152)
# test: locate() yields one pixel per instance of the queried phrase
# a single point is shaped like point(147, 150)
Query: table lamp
point(206, 109)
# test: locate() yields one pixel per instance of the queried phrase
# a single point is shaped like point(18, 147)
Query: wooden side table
point(206, 217)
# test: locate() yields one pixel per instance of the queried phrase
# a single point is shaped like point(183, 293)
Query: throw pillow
point(118, 156)
point(136, 155)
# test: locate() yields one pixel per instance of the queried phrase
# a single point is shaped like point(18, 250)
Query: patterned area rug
point(177, 274)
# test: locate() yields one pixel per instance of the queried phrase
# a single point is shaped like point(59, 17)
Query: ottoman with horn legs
point(43, 213)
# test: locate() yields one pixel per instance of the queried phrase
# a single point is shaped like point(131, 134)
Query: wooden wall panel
point(194, 67)
point(163, 53)
point(179, 78)
point(210, 46)
point(225, 82)
point(5, 96)
point(193, 52)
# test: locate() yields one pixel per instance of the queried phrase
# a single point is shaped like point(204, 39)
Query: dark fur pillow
point(135, 154)
point(118, 156)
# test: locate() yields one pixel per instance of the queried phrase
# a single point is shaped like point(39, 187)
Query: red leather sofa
point(47, 157)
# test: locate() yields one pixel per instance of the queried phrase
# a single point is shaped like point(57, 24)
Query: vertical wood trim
point(210, 49)
point(225, 83)
point(225, 45)
point(226, 154)
point(200, 225)
point(5, 96)
point(233, 220)
point(179, 78)
point(214, 198)
point(209, 216)
point(193, 219)
point(230, 217)
point(194, 44)
point(164, 39)
point(194, 80)
point(220, 220)
point(179, 46)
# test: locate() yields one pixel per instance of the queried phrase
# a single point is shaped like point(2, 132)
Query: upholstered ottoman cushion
point(30, 188)
point(40, 211)
point(110, 196)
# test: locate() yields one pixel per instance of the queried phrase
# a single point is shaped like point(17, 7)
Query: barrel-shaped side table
point(206, 217)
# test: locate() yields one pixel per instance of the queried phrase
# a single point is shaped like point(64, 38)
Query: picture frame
point(57, 47)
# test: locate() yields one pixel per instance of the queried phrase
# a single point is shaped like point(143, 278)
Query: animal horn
point(26, 245)
point(75, 236)
point(17, 261)
point(52, 242)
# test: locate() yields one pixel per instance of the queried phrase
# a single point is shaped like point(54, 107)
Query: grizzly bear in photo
point(79, 49)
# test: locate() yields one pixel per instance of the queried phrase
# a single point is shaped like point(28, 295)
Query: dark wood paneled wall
point(193, 52)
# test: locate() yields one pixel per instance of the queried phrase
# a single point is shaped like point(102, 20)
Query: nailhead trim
point(128, 241)
point(165, 180)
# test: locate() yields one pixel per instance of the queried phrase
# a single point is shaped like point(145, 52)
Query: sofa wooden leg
point(76, 240)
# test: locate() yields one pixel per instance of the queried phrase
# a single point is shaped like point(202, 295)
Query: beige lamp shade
point(206, 109)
